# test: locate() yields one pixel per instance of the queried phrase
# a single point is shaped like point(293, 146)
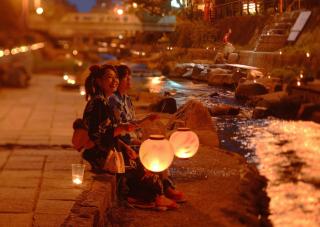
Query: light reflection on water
point(287, 153)
point(289, 156)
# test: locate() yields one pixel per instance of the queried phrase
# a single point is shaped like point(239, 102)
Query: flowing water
point(287, 153)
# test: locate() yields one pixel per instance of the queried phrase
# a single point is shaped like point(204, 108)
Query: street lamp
point(119, 11)
point(39, 10)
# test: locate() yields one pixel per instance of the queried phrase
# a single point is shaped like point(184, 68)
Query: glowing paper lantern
point(185, 143)
point(156, 153)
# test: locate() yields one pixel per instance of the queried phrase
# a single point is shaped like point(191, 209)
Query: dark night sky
point(83, 5)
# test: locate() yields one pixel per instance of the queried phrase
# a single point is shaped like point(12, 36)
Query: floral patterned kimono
point(100, 121)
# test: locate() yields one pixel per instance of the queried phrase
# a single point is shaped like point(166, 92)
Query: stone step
point(282, 25)
point(269, 46)
point(274, 38)
point(277, 31)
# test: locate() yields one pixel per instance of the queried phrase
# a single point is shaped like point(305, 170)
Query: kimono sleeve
point(100, 127)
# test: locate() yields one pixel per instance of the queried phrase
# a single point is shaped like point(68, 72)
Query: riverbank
point(222, 189)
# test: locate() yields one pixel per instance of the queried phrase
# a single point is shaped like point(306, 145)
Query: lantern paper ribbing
point(185, 143)
point(156, 153)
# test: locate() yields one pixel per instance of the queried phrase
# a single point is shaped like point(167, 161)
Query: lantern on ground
point(156, 153)
point(185, 143)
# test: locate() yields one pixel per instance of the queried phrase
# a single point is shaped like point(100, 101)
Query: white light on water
point(289, 156)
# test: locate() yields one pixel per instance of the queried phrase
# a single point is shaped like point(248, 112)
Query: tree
point(157, 7)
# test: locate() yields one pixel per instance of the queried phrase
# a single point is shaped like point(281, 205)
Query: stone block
point(3, 157)
point(49, 220)
point(25, 179)
point(25, 162)
point(54, 207)
point(62, 183)
point(17, 199)
point(60, 194)
point(16, 220)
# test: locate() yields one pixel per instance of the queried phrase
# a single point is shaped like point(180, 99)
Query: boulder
point(151, 128)
point(223, 109)
point(199, 74)
point(214, 94)
point(194, 115)
point(233, 58)
point(277, 104)
point(179, 70)
point(309, 111)
point(220, 77)
point(248, 89)
point(165, 105)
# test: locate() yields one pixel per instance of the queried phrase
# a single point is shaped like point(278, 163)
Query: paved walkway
point(35, 168)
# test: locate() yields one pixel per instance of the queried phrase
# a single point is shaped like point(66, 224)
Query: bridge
point(89, 27)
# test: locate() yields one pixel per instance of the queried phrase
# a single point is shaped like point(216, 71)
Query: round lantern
point(185, 143)
point(156, 153)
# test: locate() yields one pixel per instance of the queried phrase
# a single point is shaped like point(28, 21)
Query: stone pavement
point(36, 157)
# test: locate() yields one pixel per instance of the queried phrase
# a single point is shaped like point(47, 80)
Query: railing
point(251, 7)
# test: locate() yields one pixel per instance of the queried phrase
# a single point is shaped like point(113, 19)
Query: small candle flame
point(77, 181)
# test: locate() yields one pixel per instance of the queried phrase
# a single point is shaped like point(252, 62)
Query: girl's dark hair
point(122, 71)
point(96, 71)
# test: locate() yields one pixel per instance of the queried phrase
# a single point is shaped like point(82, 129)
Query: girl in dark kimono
point(104, 131)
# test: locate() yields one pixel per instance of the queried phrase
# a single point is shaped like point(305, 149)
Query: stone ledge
point(91, 206)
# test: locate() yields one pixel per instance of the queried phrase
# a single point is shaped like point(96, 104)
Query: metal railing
point(251, 7)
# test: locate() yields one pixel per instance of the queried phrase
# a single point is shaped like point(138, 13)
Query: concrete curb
point(91, 206)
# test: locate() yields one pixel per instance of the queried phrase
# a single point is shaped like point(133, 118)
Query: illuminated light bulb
point(298, 83)
point(135, 5)
point(301, 76)
point(185, 143)
point(39, 10)
point(280, 52)
point(79, 63)
point(254, 81)
point(119, 11)
point(1, 53)
point(308, 55)
point(75, 52)
point(65, 77)
point(156, 153)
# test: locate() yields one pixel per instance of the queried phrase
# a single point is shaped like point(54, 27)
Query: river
point(287, 153)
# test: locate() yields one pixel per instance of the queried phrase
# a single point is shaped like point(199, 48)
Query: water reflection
point(288, 153)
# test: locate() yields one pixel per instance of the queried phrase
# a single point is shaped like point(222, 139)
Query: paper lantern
point(156, 153)
point(185, 143)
